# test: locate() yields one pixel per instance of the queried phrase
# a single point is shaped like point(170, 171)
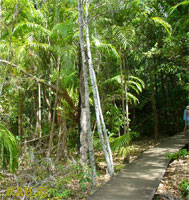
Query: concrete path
point(140, 179)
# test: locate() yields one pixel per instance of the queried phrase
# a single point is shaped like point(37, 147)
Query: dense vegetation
point(77, 77)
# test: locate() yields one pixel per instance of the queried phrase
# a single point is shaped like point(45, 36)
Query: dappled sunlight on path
point(140, 179)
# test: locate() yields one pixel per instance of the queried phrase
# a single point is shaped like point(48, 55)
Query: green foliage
point(166, 25)
point(184, 187)
point(123, 140)
point(86, 178)
point(183, 3)
point(135, 85)
point(113, 117)
point(8, 149)
point(180, 154)
point(59, 193)
point(30, 27)
point(125, 35)
point(106, 48)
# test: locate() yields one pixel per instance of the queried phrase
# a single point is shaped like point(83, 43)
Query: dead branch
point(35, 139)
point(166, 196)
point(62, 92)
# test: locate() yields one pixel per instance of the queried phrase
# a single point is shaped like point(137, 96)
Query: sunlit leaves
point(123, 140)
point(125, 35)
point(135, 85)
point(166, 25)
point(107, 48)
point(183, 3)
point(30, 27)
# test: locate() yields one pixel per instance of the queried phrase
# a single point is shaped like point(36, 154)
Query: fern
point(133, 83)
point(123, 140)
point(8, 149)
point(105, 47)
point(31, 27)
point(124, 35)
point(63, 29)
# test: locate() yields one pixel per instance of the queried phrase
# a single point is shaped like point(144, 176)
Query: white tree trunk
point(86, 122)
point(123, 98)
point(20, 110)
point(39, 101)
point(126, 94)
point(38, 122)
point(98, 110)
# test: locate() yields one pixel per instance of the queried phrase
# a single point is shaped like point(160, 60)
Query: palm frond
point(65, 30)
point(123, 140)
point(136, 86)
point(8, 148)
point(108, 48)
point(113, 79)
point(165, 24)
point(138, 79)
point(133, 97)
point(124, 35)
point(21, 27)
point(183, 3)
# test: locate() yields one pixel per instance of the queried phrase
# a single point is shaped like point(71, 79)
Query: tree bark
point(176, 115)
point(98, 110)
point(62, 136)
point(126, 67)
point(163, 95)
point(153, 103)
point(50, 147)
point(47, 101)
point(122, 98)
point(154, 107)
point(20, 110)
point(38, 125)
point(85, 123)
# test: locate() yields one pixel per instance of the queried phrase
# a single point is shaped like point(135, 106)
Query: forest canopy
point(79, 76)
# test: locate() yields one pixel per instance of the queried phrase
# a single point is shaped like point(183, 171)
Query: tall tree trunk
point(85, 123)
point(123, 99)
point(153, 103)
point(83, 141)
point(50, 147)
point(47, 101)
point(81, 103)
point(62, 136)
point(163, 96)
point(20, 110)
point(176, 112)
point(126, 67)
point(39, 102)
point(38, 130)
point(154, 107)
point(99, 117)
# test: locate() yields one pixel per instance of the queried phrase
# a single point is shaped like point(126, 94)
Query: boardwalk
point(140, 179)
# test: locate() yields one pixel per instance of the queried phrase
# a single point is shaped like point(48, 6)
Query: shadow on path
point(140, 179)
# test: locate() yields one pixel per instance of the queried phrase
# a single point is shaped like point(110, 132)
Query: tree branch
point(62, 92)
